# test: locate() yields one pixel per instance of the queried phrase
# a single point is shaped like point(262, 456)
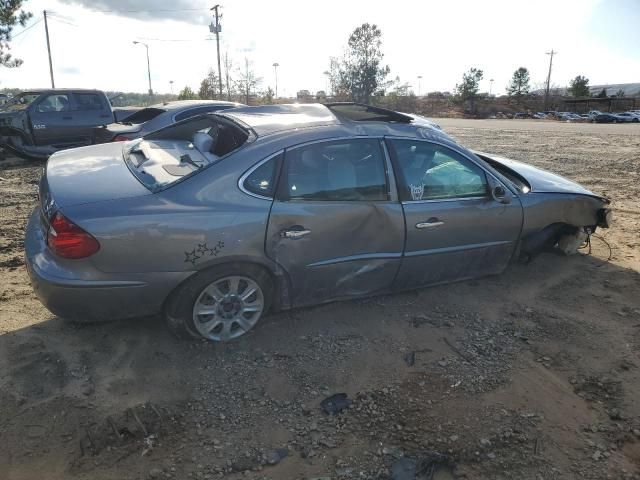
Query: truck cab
point(40, 122)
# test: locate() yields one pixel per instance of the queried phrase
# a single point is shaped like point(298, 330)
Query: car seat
point(204, 143)
point(342, 177)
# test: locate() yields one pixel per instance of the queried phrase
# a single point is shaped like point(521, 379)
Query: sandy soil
point(533, 374)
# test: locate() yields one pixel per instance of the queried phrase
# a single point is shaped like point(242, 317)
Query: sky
point(92, 41)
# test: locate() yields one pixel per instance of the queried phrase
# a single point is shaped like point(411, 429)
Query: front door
point(461, 221)
point(52, 119)
point(335, 226)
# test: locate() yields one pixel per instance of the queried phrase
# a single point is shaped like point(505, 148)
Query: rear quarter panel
point(197, 223)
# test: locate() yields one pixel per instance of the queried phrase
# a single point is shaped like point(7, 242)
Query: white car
point(628, 117)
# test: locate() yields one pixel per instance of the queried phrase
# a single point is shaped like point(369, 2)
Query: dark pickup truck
point(40, 122)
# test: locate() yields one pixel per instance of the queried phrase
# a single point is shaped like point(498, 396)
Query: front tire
point(221, 303)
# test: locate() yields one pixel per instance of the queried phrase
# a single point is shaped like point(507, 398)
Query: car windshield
point(20, 102)
point(185, 148)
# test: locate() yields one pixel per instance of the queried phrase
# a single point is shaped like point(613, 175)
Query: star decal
point(191, 257)
point(201, 251)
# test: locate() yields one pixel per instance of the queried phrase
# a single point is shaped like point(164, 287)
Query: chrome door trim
point(351, 258)
point(472, 246)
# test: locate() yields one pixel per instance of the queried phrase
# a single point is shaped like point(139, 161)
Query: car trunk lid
point(87, 175)
point(107, 133)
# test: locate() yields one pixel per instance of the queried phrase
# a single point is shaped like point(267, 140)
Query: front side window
point(343, 170)
point(433, 172)
point(262, 180)
point(54, 103)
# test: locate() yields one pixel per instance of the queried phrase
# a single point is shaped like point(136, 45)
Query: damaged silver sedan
point(218, 219)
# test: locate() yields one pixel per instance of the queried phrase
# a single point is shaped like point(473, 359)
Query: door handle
point(295, 233)
point(67, 118)
point(431, 223)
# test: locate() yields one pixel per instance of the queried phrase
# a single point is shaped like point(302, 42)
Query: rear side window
point(88, 101)
point(434, 172)
point(262, 180)
point(344, 170)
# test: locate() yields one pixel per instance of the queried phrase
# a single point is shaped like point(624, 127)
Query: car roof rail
point(361, 112)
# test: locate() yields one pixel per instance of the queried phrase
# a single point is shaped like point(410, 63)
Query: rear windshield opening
point(143, 116)
point(185, 148)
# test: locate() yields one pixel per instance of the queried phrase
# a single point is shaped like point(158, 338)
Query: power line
point(208, 39)
point(27, 28)
point(153, 10)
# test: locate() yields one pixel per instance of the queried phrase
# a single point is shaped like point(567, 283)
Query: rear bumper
point(75, 290)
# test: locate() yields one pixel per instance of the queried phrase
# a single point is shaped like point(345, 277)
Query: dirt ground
point(533, 374)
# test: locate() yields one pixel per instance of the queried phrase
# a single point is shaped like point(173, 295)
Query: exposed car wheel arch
point(543, 239)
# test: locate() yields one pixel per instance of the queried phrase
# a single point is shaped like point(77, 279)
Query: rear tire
point(233, 297)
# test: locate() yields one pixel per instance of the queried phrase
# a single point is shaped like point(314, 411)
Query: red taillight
point(68, 240)
point(120, 138)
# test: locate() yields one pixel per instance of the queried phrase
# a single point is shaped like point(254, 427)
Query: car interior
point(163, 156)
point(337, 171)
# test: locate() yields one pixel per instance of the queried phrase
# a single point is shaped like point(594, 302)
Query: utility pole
point(135, 42)
point(248, 81)
point(216, 28)
point(227, 66)
point(546, 94)
point(490, 86)
point(275, 69)
point(46, 30)
point(419, 80)
point(327, 73)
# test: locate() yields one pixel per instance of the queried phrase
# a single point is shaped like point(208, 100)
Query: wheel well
point(280, 284)
point(540, 240)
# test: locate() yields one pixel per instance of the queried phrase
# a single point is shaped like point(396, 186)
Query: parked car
point(628, 117)
point(568, 116)
point(606, 118)
point(521, 115)
point(41, 122)
point(539, 115)
point(594, 113)
point(219, 218)
point(156, 117)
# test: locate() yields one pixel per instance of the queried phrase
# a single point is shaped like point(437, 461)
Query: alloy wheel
point(228, 308)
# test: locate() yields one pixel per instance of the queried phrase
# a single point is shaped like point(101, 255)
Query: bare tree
point(247, 80)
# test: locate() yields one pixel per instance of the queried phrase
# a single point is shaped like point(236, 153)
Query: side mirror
point(501, 194)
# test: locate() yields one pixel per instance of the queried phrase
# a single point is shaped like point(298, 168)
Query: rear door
point(90, 109)
point(52, 119)
point(461, 221)
point(336, 226)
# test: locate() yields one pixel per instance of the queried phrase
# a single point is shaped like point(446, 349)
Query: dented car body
point(287, 205)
